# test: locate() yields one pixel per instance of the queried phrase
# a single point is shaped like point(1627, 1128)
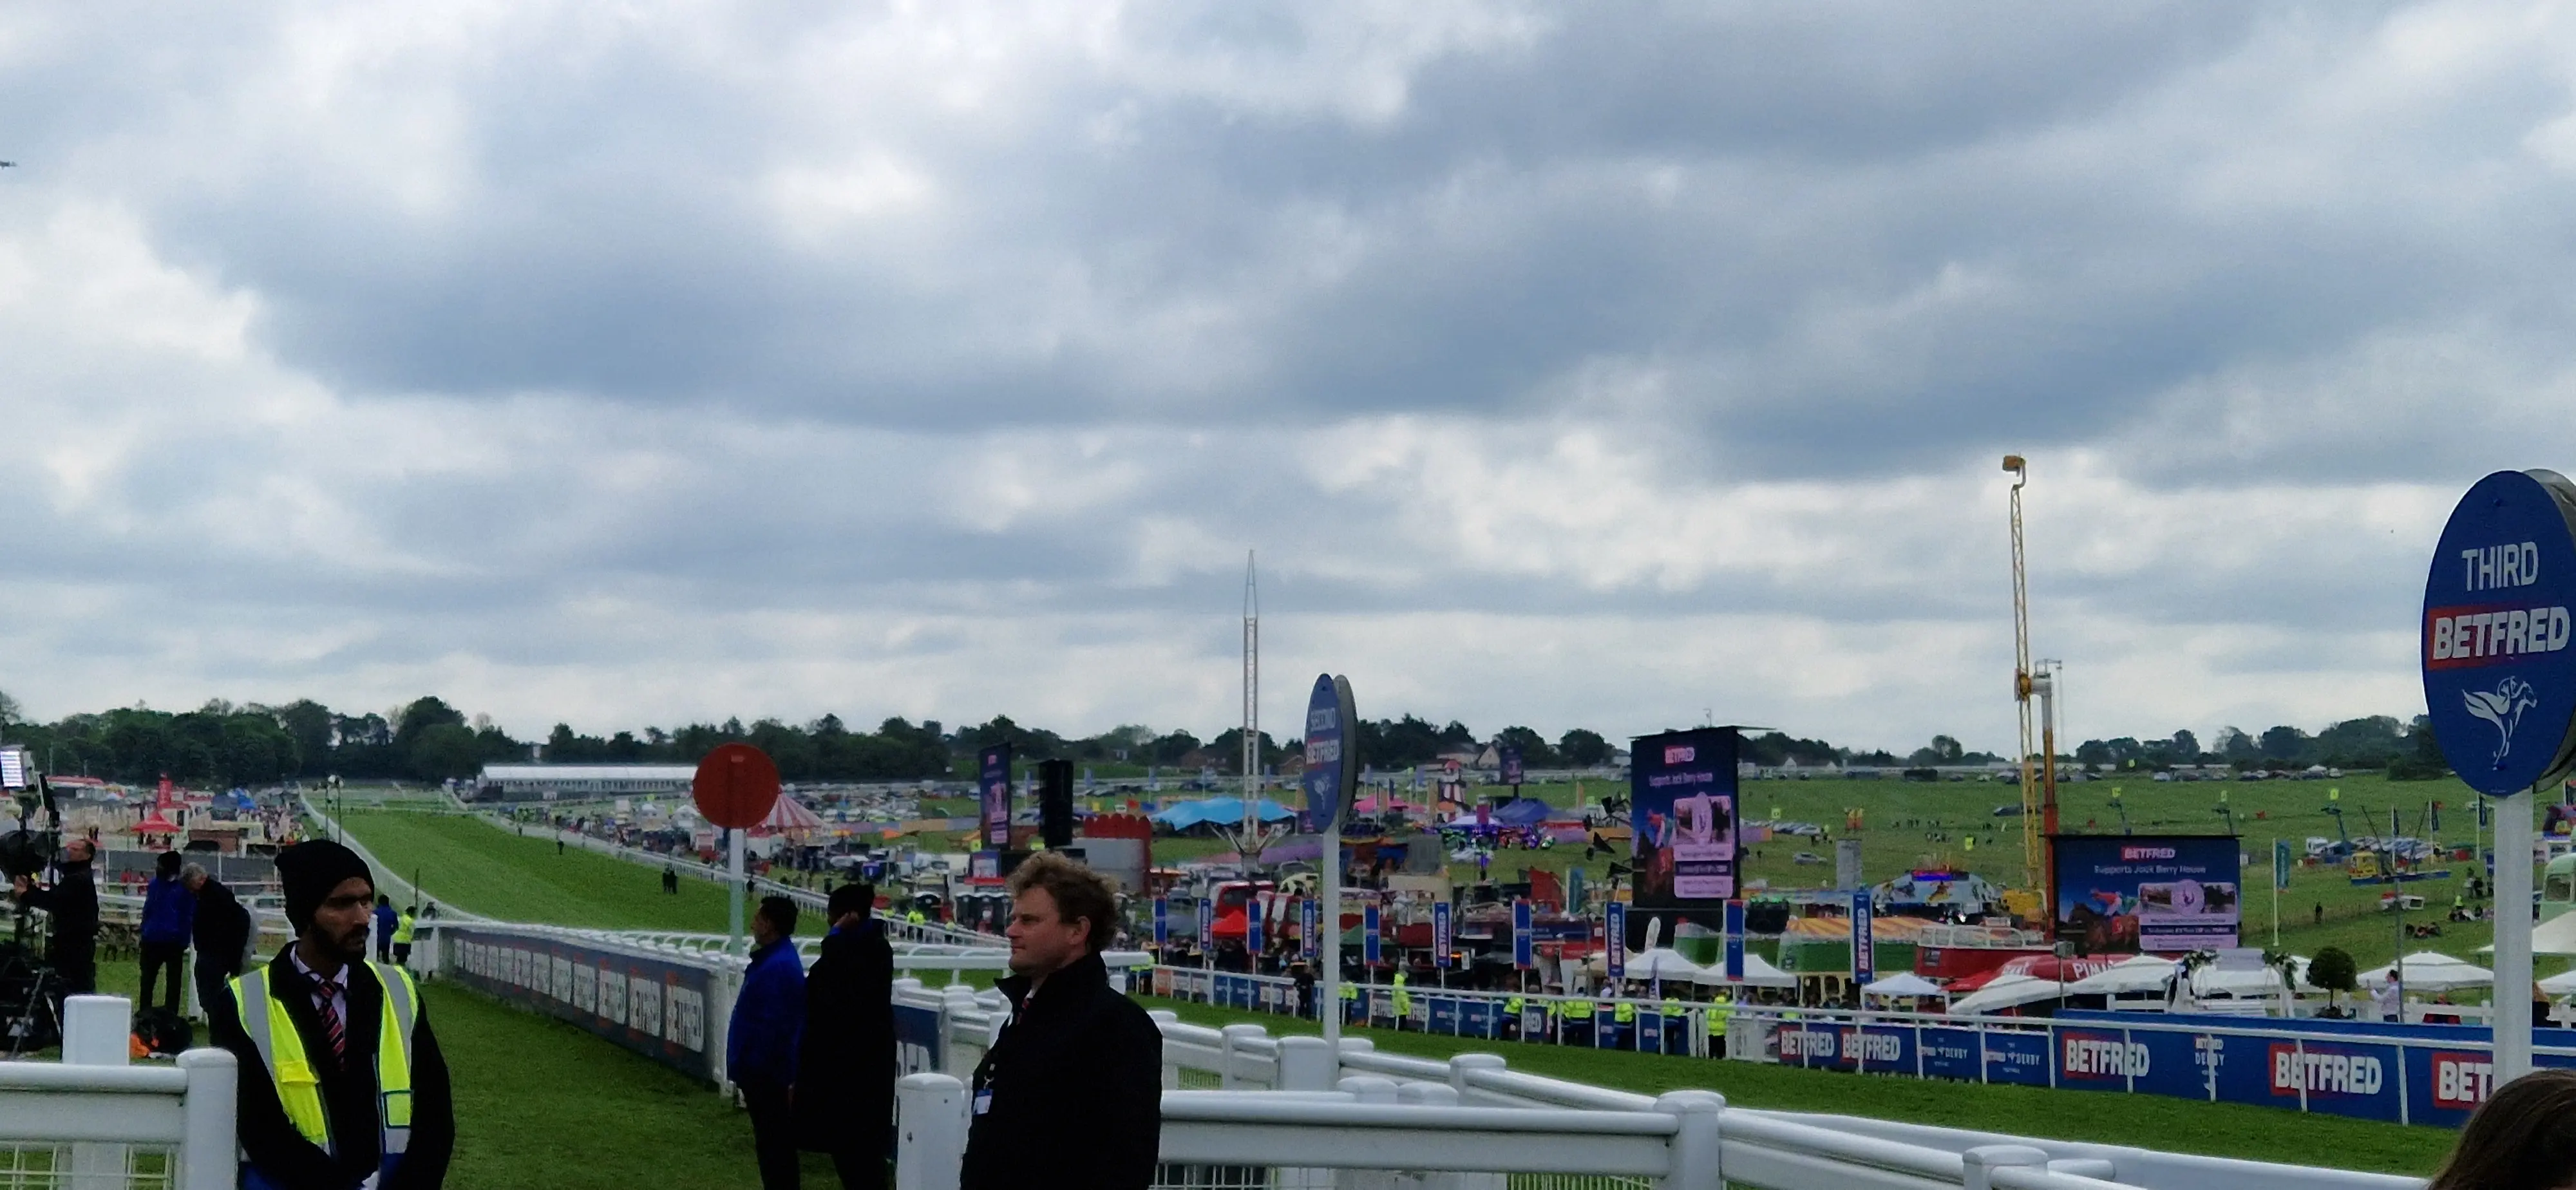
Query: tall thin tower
point(1251, 700)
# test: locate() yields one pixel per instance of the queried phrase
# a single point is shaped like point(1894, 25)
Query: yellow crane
point(2039, 778)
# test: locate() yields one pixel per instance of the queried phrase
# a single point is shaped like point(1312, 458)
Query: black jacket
point(348, 1091)
point(222, 930)
point(72, 905)
point(845, 1060)
point(1077, 1089)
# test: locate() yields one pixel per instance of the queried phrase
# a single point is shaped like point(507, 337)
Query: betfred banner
point(655, 1008)
point(1162, 922)
point(1307, 941)
point(1512, 770)
point(2122, 894)
point(1368, 935)
point(993, 783)
point(1614, 935)
point(1682, 814)
point(1864, 948)
point(1440, 936)
point(1524, 937)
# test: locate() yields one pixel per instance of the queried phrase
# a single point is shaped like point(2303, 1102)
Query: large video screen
point(1682, 812)
point(2163, 894)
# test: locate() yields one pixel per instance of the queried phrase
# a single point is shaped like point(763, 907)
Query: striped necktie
point(324, 1006)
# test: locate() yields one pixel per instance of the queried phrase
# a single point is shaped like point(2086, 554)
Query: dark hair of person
point(858, 898)
point(781, 913)
point(167, 862)
point(2522, 1138)
point(1078, 892)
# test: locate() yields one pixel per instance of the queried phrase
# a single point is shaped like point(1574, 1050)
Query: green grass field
point(473, 865)
point(2147, 1121)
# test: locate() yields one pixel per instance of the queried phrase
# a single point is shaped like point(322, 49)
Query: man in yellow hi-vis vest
point(342, 1084)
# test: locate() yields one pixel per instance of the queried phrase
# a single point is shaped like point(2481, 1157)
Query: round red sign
point(735, 787)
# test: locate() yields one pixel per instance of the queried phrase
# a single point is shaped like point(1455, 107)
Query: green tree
point(1583, 748)
point(2333, 970)
point(442, 751)
point(1534, 750)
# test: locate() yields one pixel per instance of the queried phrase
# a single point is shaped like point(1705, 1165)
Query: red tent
point(156, 825)
point(1230, 925)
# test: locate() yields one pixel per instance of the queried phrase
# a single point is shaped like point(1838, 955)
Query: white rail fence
point(93, 1122)
point(1243, 1108)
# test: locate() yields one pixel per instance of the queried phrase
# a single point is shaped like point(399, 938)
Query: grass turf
point(476, 866)
point(2147, 1121)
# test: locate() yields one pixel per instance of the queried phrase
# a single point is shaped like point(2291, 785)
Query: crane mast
point(2027, 682)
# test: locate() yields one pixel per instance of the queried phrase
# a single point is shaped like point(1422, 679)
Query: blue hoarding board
point(1368, 935)
point(1864, 962)
point(2499, 677)
point(1162, 922)
point(916, 1040)
point(1480, 1017)
point(2020, 1058)
point(2122, 894)
point(2338, 1078)
point(660, 1010)
point(1949, 1053)
point(2098, 1059)
point(1444, 1014)
point(1650, 1033)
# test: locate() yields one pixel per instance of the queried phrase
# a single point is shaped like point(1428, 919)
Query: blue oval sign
point(2499, 647)
point(1328, 776)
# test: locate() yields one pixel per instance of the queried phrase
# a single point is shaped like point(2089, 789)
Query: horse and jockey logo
point(2503, 707)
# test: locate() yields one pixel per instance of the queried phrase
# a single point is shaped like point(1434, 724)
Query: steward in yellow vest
point(341, 1079)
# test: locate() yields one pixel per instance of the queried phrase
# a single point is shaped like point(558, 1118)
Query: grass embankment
point(473, 865)
point(2147, 1121)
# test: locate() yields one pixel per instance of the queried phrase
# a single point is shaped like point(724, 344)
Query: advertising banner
point(2499, 677)
point(2280, 865)
point(1254, 918)
point(1440, 937)
point(1512, 770)
point(655, 1008)
point(1524, 940)
point(1207, 925)
point(1480, 1017)
point(2122, 894)
point(993, 782)
point(2020, 1058)
point(916, 1040)
point(1864, 961)
point(1682, 815)
point(1614, 935)
point(1444, 1014)
point(1368, 935)
point(1735, 941)
point(1949, 1053)
point(1307, 941)
point(1162, 922)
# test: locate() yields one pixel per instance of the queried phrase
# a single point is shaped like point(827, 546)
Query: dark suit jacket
point(222, 929)
point(348, 1091)
point(845, 1060)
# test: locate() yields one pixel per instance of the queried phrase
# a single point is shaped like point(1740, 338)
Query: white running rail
point(92, 1122)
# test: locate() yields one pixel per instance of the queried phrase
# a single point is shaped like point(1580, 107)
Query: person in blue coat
point(760, 1044)
point(386, 921)
point(169, 921)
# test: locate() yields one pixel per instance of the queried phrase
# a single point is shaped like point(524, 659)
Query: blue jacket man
point(760, 1044)
point(386, 920)
point(169, 922)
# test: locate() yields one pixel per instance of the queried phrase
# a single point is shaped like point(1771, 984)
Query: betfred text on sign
point(2462, 1081)
point(2103, 1057)
point(2325, 1073)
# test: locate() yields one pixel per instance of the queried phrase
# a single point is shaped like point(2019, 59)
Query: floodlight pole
point(733, 891)
point(2512, 1054)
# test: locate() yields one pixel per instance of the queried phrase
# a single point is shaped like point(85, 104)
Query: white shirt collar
point(339, 980)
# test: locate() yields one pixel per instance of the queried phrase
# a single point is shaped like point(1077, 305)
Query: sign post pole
point(1331, 778)
point(733, 891)
point(2513, 938)
point(734, 787)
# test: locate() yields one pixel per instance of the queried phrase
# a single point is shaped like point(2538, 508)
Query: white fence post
point(206, 1154)
point(930, 1122)
point(1308, 1064)
point(95, 1033)
point(1460, 1065)
point(1698, 1151)
point(1230, 1049)
point(1978, 1165)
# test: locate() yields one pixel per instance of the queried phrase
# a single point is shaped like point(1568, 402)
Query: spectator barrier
point(2406, 1074)
point(93, 1122)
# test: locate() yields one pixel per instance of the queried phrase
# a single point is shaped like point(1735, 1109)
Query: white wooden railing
point(93, 1122)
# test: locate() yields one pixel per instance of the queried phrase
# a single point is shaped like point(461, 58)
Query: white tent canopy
point(2133, 976)
point(2561, 984)
point(1905, 984)
point(2427, 971)
point(1757, 974)
point(2247, 982)
point(2010, 991)
point(1663, 962)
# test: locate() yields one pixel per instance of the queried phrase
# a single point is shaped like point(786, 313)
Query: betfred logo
point(2134, 854)
point(1680, 753)
point(2462, 1081)
point(2325, 1073)
point(2103, 1057)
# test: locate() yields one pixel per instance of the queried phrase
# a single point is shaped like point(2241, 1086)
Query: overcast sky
point(1609, 365)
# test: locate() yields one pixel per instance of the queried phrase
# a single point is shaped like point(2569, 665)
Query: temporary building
point(2009, 991)
point(788, 816)
point(1904, 985)
point(1185, 815)
point(2136, 975)
point(2427, 971)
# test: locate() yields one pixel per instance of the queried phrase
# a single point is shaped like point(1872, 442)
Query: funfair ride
point(2038, 776)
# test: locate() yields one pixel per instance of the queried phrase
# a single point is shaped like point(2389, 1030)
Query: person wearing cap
point(342, 1084)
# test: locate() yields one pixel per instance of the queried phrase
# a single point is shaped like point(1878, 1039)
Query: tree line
point(428, 740)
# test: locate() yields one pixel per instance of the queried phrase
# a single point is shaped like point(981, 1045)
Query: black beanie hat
point(310, 870)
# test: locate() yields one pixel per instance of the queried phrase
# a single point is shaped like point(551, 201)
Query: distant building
point(548, 782)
